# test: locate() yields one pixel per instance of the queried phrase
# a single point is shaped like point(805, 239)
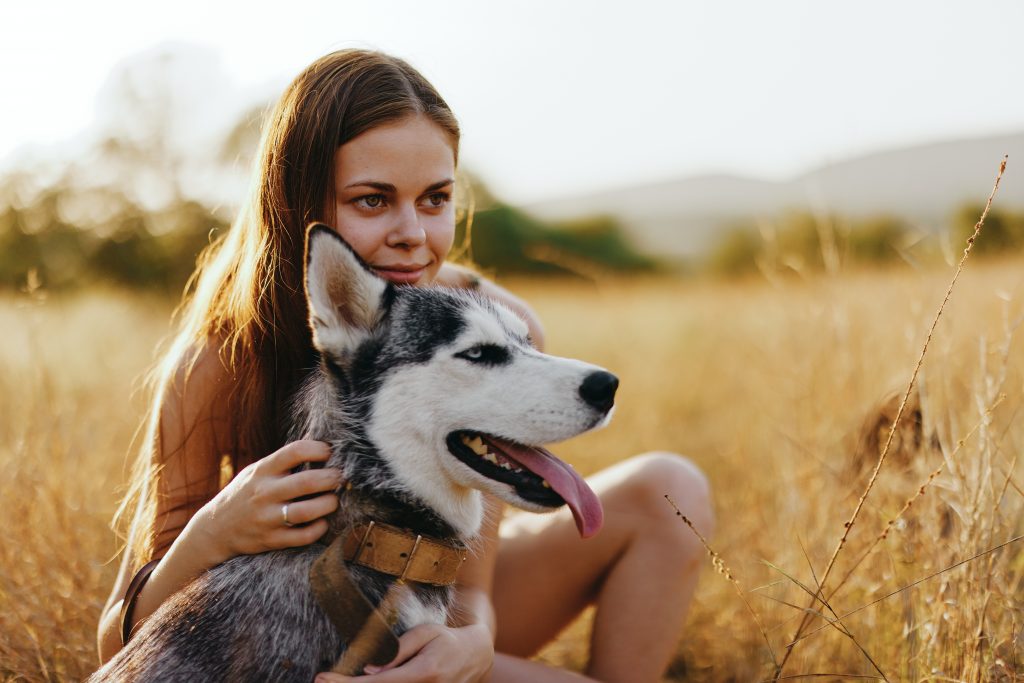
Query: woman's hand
point(433, 654)
point(246, 517)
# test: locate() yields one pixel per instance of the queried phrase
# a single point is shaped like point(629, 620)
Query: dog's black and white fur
point(405, 373)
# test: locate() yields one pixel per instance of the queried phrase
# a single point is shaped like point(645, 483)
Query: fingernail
point(371, 669)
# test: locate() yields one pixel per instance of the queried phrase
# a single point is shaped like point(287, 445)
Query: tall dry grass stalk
point(720, 567)
point(848, 526)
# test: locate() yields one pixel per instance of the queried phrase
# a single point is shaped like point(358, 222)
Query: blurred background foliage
point(801, 241)
point(124, 215)
point(68, 233)
point(136, 205)
point(504, 239)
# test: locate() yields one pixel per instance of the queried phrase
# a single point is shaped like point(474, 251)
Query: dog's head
point(453, 395)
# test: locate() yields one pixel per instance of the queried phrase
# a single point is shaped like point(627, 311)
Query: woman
point(363, 142)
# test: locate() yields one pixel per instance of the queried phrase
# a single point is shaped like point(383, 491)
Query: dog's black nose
point(598, 389)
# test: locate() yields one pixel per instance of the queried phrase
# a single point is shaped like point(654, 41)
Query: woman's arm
point(187, 428)
point(197, 527)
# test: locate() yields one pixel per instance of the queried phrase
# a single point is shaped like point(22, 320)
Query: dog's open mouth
point(535, 473)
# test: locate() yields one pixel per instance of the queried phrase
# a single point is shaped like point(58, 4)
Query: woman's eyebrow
point(439, 184)
point(388, 187)
point(383, 187)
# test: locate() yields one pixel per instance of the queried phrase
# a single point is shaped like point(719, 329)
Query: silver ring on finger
point(284, 516)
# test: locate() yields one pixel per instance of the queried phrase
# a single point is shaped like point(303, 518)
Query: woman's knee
point(653, 476)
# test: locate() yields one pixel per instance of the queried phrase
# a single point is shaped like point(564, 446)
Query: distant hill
point(924, 184)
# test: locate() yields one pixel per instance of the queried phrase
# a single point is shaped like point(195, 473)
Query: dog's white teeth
point(491, 458)
point(476, 444)
point(545, 484)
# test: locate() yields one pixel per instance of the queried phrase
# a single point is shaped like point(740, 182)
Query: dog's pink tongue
point(584, 503)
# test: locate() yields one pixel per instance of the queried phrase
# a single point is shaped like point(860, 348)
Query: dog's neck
point(323, 415)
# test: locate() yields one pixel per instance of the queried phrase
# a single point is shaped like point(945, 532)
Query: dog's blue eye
point(488, 354)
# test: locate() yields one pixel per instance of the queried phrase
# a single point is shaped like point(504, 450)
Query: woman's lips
point(401, 276)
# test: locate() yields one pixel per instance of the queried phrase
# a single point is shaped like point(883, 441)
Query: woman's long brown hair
point(245, 298)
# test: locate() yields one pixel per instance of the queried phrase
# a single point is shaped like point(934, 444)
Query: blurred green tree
point(507, 240)
point(801, 240)
point(877, 239)
point(1002, 233)
point(736, 252)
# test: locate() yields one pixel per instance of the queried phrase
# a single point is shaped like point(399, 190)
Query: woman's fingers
point(292, 537)
point(294, 454)
point(303, 511)
point(274, 486)
point(309, 482)
point(410, 642)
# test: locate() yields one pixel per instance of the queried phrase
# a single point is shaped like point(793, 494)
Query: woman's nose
point(407, 230)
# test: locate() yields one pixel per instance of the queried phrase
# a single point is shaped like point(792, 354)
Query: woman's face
point(393, 198)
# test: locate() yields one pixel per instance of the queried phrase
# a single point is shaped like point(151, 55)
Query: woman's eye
point(371, 201)
point(438, 199)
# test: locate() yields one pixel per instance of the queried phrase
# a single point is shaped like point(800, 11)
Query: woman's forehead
point(414, 149)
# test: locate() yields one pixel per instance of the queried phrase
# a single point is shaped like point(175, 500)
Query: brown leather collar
point(409, 556)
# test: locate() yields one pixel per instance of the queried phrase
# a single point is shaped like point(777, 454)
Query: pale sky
point(557, 98)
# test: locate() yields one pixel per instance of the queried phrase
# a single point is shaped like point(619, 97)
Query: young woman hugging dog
point(362, 142)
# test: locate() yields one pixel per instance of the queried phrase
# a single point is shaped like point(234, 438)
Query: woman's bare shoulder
point(194, 434)
point(194, 421)
point(195, 391)
point(201, 369)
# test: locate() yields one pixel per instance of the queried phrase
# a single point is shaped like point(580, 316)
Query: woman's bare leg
point(640, 570)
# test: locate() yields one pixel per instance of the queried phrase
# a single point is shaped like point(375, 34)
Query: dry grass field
point(779, 391)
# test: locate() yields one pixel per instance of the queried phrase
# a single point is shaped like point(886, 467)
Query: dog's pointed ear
point(346, 299)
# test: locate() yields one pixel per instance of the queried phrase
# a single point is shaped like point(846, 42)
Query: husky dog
point(428, 396)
